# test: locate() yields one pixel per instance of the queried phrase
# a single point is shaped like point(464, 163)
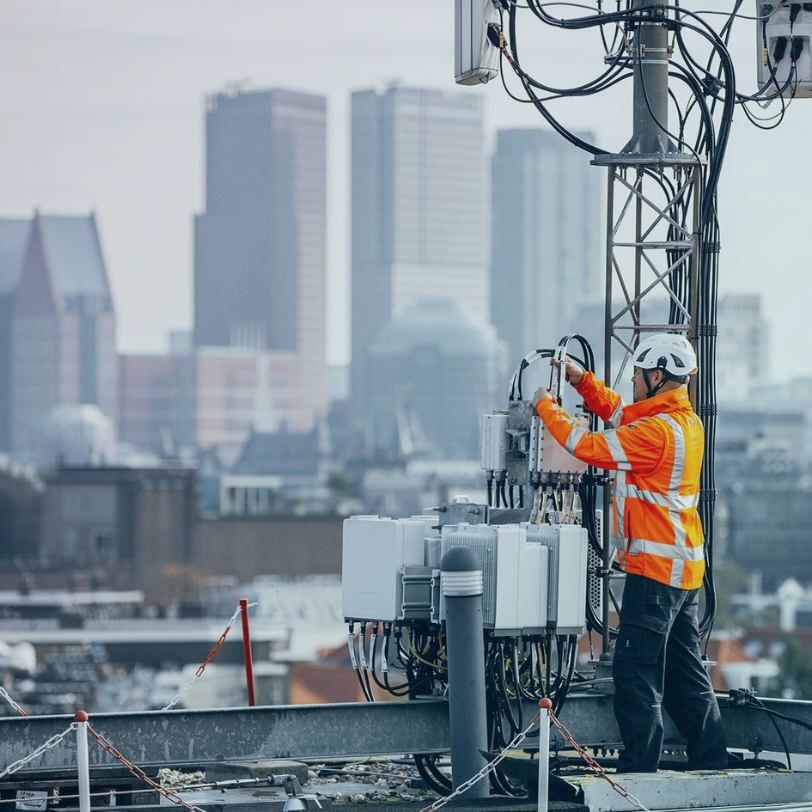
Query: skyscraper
point(260, 245)
point(63, 337)
point(14, 235)
point(546, 238)
point(419, 210)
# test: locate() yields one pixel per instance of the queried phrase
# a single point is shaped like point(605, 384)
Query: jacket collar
point(673, 400)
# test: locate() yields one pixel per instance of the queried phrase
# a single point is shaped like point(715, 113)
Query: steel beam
point(198, 737)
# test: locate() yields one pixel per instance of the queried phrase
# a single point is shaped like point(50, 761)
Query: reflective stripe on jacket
point(656, 448)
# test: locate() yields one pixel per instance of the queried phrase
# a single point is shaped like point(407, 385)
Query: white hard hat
point(670, 352)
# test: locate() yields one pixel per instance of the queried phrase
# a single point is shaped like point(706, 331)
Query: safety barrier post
point(246, 647)
point(544, 752)
point(461, 579)
point(82, 764)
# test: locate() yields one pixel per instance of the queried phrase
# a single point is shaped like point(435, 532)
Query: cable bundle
point(703, 95)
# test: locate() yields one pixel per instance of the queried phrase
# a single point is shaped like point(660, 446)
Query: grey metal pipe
point(650, 46)
point(461, 578)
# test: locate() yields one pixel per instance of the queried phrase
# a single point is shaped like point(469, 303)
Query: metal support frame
point(181, 738)
point(653, 257)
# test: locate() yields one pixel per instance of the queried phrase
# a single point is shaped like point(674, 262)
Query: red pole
point(246, 647)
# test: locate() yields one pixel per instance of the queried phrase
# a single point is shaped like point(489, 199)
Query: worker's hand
point(541, 394)
point(573, 371)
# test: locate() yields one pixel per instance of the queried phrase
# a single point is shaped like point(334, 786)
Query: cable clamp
point(707, 495)
point(711, 247)
point(706, 330)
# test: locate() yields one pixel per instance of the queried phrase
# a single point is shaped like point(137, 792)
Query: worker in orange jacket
point(656, 446)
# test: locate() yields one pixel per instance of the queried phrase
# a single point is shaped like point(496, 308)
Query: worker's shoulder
point(665, 421)
point(684, 419)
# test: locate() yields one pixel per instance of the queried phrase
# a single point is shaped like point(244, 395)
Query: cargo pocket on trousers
point(638, 644)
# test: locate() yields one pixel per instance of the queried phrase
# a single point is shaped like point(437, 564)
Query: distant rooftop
point(73, 254)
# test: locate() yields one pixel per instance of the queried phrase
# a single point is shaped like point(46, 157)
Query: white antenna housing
point(784, 48)
point(476, 59)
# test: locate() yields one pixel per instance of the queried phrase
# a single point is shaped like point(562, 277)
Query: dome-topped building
point(435, 369)
point(79, 434)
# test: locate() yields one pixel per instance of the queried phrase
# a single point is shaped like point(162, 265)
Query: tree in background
point(20, 512)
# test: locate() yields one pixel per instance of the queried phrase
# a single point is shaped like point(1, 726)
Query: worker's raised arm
point(599, 398)
point(639, 446)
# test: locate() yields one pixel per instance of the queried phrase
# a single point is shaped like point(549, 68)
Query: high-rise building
point(260, 245)
point(63, 342)
point(237, 391)
point(419, 210)
point(156, 409)
point(14, 235)
point(742, 346)
point(436, 370)
point(546, 238)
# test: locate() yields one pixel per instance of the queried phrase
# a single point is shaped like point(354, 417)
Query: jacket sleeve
point(639, 446)
point(599, 398)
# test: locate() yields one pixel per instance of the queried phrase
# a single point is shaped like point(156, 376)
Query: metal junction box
point(568, 546)
point(515, 575)
point(786, 32)
point(375, 550)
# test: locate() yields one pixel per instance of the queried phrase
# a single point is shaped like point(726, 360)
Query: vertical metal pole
point(696, 272)
point(638, 252)
point(650, 50)
point(461, 579)
point(246, 647)
point(82, 764)
point(544, 753)
point(608, 332)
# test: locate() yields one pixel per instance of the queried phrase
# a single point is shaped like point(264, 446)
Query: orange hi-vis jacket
point(657, 451)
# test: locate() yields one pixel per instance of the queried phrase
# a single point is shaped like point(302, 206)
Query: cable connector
point(742, 696)
point(794, 11)
point(797, 48)
point(495, 36)
point(712, 85)
point(779, 49)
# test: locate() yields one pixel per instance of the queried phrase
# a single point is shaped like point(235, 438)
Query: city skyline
point(122, 131)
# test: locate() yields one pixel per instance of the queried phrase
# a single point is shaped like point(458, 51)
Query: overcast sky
point(101, 103)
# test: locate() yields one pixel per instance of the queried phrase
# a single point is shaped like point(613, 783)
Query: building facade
point(63, 336)
point(131, 523)
point(546, 238)
point(742, 346)
point(156, 409)
point(14, 236)
point(260, 245)
point(237, 391)
point(436, 370)
point(419, 211)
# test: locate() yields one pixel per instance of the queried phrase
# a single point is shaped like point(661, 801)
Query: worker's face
point(639, 382)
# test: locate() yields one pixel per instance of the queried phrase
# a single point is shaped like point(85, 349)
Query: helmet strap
point(651, 391)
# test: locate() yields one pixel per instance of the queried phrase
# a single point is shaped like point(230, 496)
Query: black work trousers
point(657, 663)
